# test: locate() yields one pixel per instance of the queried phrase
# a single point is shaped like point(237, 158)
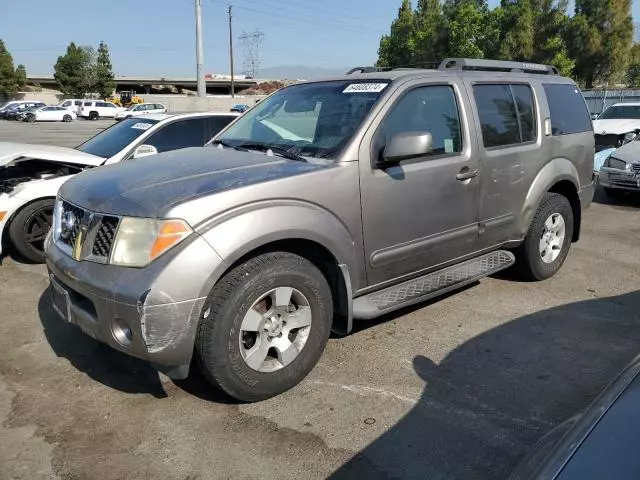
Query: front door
point(423, 211)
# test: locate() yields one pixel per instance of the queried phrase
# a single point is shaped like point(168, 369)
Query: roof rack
point(364, 70)
point(496, 66)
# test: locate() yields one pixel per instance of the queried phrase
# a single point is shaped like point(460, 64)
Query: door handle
point(466, 174)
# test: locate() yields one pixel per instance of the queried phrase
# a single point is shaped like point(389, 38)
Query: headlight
point(630, 137)
point(613, 162)
point(141, 240)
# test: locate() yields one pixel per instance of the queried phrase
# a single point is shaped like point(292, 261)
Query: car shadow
point(100, 362)
point(624, 200)
point(492, 398)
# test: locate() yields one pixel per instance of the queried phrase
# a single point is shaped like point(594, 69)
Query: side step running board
point(430, 285)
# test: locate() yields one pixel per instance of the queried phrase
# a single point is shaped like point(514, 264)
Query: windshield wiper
point(228, 145)
point(283, 152)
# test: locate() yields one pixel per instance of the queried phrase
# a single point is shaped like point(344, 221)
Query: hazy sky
point(157, 37)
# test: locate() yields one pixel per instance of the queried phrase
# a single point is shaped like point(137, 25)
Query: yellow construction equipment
point(127, 98)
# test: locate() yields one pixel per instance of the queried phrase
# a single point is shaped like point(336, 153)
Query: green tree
point(429, 33)
point(601, 37)
point(104, 80)
point(7, 73)
point(633, 73)
point(20, 77)
point(551, 23)
point(518, 29)
point(72, 71)
point(466, 32)
point(397, 48)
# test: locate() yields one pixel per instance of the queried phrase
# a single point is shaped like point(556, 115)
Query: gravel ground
point(456, 388)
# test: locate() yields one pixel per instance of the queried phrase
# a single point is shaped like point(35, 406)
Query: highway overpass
point(215, 86)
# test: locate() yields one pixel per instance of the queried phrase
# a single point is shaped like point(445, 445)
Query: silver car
point(328, 201)
point(621, 171)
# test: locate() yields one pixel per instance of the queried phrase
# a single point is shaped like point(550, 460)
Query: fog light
point(121, 332)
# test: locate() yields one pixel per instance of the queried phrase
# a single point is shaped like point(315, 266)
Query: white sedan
point(140, 109)
point(50, 114)
point(30, 175)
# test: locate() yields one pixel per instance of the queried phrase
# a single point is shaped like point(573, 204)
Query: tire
point(223, 342)
point(31, 118)
point(529, 256)
point(29, 228)
point(93, 116)
point(67, 118)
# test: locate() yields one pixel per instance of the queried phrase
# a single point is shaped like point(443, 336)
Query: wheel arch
point(558, 176)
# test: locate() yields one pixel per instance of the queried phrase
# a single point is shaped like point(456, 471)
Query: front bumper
point(161, 303)
point(619, 179)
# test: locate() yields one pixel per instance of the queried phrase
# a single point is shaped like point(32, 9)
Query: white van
point(95, 109)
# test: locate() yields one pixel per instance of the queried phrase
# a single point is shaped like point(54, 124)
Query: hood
point(149, 187)
point(11, 151)
point(615, 126)
point(630, 152)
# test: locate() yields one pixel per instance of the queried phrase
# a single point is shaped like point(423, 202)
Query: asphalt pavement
point(459, 387)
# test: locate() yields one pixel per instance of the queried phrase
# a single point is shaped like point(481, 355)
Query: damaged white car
point(30, 175)
point(617, 125)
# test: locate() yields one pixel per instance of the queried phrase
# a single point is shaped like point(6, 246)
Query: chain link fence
point(599, 100)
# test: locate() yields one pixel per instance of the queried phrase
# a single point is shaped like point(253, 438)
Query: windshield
point(621, 112)
point(316, 119)
point(112, 140)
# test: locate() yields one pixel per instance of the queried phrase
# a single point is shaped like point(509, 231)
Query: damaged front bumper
point(620, 179)
point(158, 306)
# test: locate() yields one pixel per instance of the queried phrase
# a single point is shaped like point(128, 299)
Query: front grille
point(635, 167)
point(69, 238)
point(105, 235)
point(83, 234)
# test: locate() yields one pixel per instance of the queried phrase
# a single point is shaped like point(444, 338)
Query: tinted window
point(109, 105)
point(112, 140)
point(180, 134)
point(101, 104)
point(526, 112)
point(568, 109)
point(87, 104)
point(498, 115)
point(425, 109)
point(217, 123)
point(78, 103)
point(66, 104)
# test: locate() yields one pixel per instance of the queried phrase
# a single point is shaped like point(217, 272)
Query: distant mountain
point(294, 72)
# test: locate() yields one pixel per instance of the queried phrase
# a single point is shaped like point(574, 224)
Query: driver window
point(431, 109)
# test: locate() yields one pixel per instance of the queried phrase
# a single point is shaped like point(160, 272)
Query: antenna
point(251, 43)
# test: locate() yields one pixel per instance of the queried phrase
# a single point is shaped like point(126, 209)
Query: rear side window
point(216, 124)
point(568, 109)
point(507, 114)
point(101, 104)
point(88, 104)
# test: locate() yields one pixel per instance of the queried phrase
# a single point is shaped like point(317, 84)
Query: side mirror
point(407, 145)
point(144, 151)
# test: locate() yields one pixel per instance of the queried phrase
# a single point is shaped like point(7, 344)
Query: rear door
point(510, 153)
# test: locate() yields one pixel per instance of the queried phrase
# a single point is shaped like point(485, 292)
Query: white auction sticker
point(365, 87)
point(142, 126)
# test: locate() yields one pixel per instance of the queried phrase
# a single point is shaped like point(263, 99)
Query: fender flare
point(557, 170)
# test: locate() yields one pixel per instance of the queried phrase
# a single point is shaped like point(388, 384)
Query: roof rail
point(363, 70)
point(496, 66)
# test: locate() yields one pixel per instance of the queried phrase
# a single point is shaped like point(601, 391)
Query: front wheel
point(93, 116)
point(548, 240)
point(66, 118)
point(264, 326)
point(31, 118)
point(29, 228)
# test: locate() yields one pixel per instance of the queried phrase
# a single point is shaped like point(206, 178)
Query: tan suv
point(328, 201)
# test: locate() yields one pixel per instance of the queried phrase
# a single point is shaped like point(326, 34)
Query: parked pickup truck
point(328, 201)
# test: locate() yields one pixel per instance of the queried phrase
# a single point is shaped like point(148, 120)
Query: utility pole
point(233, 86)
point(202, 88)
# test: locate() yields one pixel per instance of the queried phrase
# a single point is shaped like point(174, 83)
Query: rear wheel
point(548, 240)
point(264, 326)
point(67, 118)
point(93, 116)
point(31, 118)
point(29, 228)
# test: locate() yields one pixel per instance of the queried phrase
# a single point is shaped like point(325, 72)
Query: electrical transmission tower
point(251, 43)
